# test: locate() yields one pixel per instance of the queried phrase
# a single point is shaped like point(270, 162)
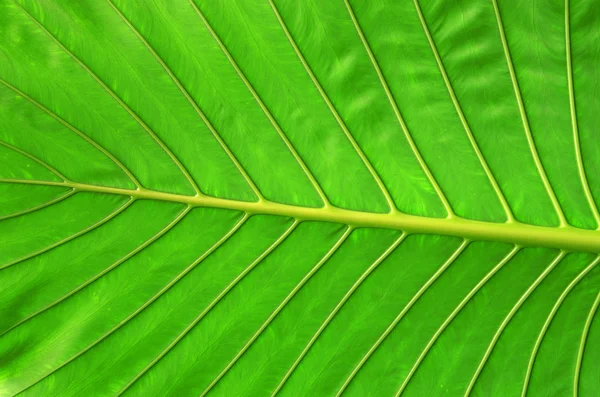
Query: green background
point(483, 110)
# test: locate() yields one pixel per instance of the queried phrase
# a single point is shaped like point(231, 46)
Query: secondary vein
point(213, 303)
point(36, 159)
point(578, 157)
point(113, 95)
point(336, 309)
point(73, 236)
point(156, 296)
point(582, 343)
point(548, 321)
point(73, 129)
point(277, 310)
point(509, 215)
point(402, 313)
point(508, 318)
point(334, 112)
point(525, 121)
point(192, 102)
point(263, 107)
point(398, 115)
point(452, 316)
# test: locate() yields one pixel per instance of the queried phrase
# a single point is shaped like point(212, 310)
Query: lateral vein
point(73, 236)
point(576, 142)
point(452, 316)
point(125, 107)
point(401, 315)
point(548, 321)
point(334, 112)
point(73, 129)
point(337, 308)
point(157, 295)
point(263, 107)
point(508, 318)
point(36, 159)
point(488, 172)
point(277, 310)
point(73, 291)
point(192, 102)
point(525, 121)
point(211, 305)
point(404, 127)
point(582, 343)
point(48, 203)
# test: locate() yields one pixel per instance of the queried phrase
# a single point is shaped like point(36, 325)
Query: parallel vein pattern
point(576, 139)
point(509, 317)
point(526, 127)
point(119, 101)
point(549, 319)
point(112, 286)
point(390, 97)
point(192, 102)
point(337, 309)
point(463, 120)
point(335, 113)
point(73, 129)
point(231, 285)
point(287, 142)
point(451, 317)
point(155, 296)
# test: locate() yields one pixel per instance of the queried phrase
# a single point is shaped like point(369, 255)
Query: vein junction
point(566, 238)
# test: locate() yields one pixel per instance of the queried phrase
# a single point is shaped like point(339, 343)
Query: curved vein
point(525, 121)
point(452, 315)
point(192, 102)
point(576, 142)
point(338, 307)
point(335, 113)
point(263, 107)
point(390, 96)
point(37, 160)
point(549, 319)
point(74, 130)
point(509, 215)
point(40, 206)
point(132, 253)
point(113, 95)
point(279, 308)
point(509, 317)
point(581, 350)
point(164, 289)
point(71, 237)
point(212, 304)
point(401, 315)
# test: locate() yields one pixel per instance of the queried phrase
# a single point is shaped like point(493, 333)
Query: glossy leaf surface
point(299, 198)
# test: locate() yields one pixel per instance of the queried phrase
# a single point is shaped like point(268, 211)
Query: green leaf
point(299, 198)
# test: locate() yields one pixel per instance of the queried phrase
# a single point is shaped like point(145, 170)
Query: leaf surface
point(320, 198)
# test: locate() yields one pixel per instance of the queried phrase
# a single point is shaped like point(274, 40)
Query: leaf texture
point(303, 198)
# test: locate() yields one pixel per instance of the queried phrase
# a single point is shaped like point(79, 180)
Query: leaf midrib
point(566, 238)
